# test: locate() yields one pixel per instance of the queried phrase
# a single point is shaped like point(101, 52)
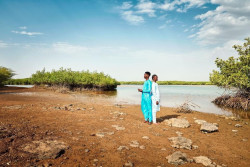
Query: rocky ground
point(44, 128)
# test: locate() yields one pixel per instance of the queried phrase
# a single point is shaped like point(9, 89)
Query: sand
point(93, 127)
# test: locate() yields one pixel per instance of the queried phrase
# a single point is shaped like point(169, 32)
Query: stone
point(234, 131)
point(179, 123)
point(142, 147)
point(203, 160)
point(100, 134)
point(134, 143)
point(117, 127)
point(129, 164)
point(244, 139)
point(208, 127)
point(199, 121)
point(238, 125)
point(177, 158)
point(145, 137)
point(120, 148)
point(96, 160)
point(181, 142)
point(179, 133)
point(49, 149)
point(86, 150)
point(163, 149)
point(195, 146)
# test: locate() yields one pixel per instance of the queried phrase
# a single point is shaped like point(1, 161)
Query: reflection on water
point(175, 95)
point(171, 96)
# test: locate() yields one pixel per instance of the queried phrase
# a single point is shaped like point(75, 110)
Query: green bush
point(234, 72)
point(74, 79)
point(5, 75)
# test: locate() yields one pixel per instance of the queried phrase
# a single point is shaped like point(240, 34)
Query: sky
point(175, 39)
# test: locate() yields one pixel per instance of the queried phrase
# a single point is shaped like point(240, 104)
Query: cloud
point(67, 48)
point(181, 5)
point(229, 21)
point(132, 18)
point(3, 44)
point(27, 33)
point(165, 25)
point(135, 14)
point(126, 5)
point(23, 28)
point(146, 7)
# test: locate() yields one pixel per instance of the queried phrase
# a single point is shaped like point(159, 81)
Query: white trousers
point(154, 116)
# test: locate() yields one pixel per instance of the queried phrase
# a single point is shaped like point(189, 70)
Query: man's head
point(154, 77)
point(147, 75)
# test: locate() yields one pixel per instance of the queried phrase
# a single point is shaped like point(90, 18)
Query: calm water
point(175, 95)
point(171, 96)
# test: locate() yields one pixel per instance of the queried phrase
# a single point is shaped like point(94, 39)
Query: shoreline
point(93, 129)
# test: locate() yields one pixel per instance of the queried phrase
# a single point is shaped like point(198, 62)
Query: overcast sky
point(176, 39)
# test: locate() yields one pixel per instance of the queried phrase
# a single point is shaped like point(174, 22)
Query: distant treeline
point(68, 79)
point(168, 83)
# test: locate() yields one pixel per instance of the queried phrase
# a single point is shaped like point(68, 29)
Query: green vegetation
point(234, 72)
point(167, 83)
point(74, 79)
point(5, 75)
point(23, 81)
point(69, 79)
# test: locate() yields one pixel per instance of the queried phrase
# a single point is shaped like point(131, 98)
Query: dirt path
point(88, 131)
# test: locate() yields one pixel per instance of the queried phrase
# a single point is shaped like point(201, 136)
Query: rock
point(229, 123)
point(181, 142)
point(96, 160)
point(100, 134)
point(142, 147)
point(117, 127)
point(120, 148)
point(134, 143)
point(199, 121)
point(208, 127)
point(175, 122)
point(203, 160)
point(234, 131)
point(238, 125)
point(49, 149)
point(163, 149)
point(179, 133)
point(145, 137)
point(244, 139)
point(86, 150)
point(129, 164)
point(177, 158)
point(3, 147)
point(195, 147)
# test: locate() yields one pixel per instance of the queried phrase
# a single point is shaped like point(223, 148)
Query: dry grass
point(186, 107)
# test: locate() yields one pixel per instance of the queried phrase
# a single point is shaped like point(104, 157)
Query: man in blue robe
point(146, 101)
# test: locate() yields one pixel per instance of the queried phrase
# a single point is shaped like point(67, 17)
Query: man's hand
point(139, 90)
point(157, 103)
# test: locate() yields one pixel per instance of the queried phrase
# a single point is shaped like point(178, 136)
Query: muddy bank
point(40, 127)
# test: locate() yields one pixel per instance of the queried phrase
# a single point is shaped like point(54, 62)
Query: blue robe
point(146, 102)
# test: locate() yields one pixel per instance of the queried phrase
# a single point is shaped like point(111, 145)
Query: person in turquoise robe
point(146, 101)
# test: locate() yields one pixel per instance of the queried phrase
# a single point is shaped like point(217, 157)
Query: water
point(21, 86)
point(175, 95)
point(171, 96)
